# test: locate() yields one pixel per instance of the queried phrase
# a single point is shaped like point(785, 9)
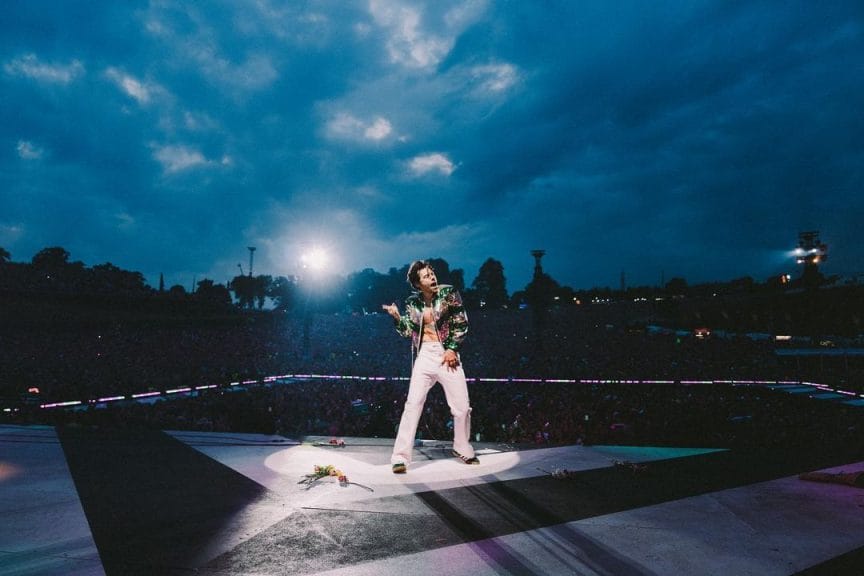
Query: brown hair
point(414, 272)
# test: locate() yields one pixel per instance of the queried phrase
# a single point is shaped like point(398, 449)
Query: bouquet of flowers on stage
point(328, 471)
point(324, 472)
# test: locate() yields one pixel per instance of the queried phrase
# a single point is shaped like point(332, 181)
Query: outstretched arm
point(403, 326)
point(392, 310)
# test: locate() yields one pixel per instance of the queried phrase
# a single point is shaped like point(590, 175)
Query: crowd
point(541, 414)
point(79, 362)
point(71, 361)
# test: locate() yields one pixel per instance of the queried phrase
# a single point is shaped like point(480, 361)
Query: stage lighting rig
point(811, 251)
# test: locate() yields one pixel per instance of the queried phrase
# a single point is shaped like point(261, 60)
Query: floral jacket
point(451, 321)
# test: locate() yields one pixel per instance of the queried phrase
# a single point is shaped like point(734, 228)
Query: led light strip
point(283, 377)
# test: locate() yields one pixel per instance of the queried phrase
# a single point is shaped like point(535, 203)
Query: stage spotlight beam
point(315, 259)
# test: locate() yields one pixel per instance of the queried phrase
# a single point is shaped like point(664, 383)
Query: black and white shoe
point(472, 461)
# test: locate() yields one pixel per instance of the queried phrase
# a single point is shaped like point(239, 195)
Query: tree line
point(779, 304)
point(51, 271)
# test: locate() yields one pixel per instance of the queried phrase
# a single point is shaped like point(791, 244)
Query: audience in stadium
point(98, 362)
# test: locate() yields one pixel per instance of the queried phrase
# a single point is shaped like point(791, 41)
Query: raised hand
point(392, 310)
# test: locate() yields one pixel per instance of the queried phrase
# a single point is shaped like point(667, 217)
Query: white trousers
point(426, 372)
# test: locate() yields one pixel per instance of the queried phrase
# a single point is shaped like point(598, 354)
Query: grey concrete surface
point(682, 515)
point(43, 529)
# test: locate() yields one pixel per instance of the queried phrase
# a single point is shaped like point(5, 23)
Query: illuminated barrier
point(108, 399)
point(61, 404)
point(287, 378)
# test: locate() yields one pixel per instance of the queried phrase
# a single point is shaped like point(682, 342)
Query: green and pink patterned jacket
point(451, 321)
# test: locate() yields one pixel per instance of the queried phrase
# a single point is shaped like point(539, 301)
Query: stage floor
point(85, 502)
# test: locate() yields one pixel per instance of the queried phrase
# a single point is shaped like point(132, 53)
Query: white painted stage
point(220, 504)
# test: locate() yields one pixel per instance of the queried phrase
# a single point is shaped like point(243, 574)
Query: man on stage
point(436, 322)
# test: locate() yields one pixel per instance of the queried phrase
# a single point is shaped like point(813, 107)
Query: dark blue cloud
point(687, 139)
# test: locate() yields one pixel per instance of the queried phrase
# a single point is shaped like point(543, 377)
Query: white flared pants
point(428, 370)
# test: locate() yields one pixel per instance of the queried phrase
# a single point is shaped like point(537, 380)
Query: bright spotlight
point(811, 251)
point(316, 259)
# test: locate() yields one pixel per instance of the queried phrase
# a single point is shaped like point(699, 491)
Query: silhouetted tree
point(243, 287)
point(365, 289)
point(284, 293)
point(109, 279)
point(442, 270)
point(177, 292)
point(251, 291)
point(212, 294)
point(261, 289)
point(490, 285)
point(397, 282)
point(457, 279)
point(54, 258)
point(5, 256)
point(53, 271)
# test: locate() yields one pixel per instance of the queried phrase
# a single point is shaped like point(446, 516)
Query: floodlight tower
point(538, 267)
point(811, 252)
point(538, 297)
point(251, 254)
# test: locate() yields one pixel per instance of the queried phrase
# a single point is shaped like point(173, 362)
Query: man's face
point(428, 281)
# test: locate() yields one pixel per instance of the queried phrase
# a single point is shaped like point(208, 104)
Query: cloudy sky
point(659, 139)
